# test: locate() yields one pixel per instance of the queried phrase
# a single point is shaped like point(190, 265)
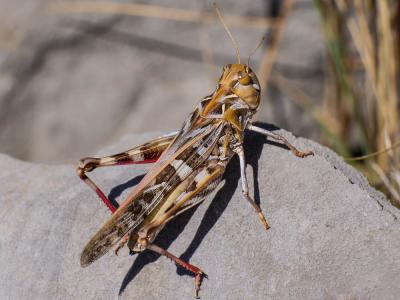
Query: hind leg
point(143, 154)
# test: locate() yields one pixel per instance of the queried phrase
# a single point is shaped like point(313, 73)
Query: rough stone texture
point(332, 236)
point(86, 80)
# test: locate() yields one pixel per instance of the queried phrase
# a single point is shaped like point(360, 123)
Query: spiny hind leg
point(278, 137)
point(143, 154)
point(245, 187)
point(198, 273)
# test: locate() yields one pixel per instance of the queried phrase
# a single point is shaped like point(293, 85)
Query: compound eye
point(244, 78)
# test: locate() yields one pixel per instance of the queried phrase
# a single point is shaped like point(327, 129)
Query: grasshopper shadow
point(119, 189)
point(254, 144)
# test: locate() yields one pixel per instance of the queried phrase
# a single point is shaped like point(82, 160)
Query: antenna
point(229, 33)
point(254, 51)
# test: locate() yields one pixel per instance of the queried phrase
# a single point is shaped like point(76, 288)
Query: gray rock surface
point(332, 236)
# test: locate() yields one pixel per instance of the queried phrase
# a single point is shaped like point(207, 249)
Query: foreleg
point(278, 137)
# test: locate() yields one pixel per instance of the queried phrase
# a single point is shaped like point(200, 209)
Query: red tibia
point(198, 273)
point(99, 192)
point(146, 161)
point(184, 264)
point(106, 201)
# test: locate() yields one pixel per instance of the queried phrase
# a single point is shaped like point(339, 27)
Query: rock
point(332, 236)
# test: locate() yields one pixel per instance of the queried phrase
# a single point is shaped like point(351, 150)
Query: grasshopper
point(189, 165)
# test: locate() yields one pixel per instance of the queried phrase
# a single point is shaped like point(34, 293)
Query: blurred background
point(78, 75)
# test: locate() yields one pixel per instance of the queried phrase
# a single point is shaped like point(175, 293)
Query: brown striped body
point(189, 164)
point(205, 142)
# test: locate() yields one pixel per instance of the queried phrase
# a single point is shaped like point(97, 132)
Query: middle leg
point(245, 187)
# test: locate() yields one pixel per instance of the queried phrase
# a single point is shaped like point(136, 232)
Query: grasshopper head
point(240, 80)
point(237, 81)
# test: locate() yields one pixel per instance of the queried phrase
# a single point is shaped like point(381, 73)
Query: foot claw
point(303, 154)
point(197, 283)
point(121, 244)
point(263, 220)
point(117, 250)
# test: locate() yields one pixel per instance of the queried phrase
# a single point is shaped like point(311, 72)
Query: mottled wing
point(188, 152)
point(202, 195)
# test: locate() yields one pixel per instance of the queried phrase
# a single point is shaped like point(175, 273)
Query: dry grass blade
point(364, 99)
point(386, 84)
point(395, 146)
point(269, 56)
point(395, 196)
point(323, 120)
point(156, 11)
